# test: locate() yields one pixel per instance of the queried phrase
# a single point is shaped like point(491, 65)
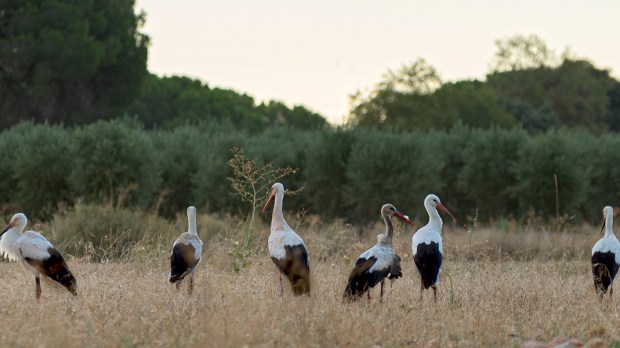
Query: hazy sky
point(317, 53)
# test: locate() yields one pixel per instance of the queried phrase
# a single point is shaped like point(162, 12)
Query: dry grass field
point(508, 286)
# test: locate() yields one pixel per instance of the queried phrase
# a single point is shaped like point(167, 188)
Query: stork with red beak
point(286, 248)
point(427, 248)
point(36, 254)
point(376, 263)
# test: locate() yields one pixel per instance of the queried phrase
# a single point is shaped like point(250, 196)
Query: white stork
point(427, 248)
point(36, 254)
point(606, 256)
point(186, 252)
point(376, 263)
point(286, 248)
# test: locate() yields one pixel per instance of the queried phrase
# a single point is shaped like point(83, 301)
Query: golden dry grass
point(504, 293)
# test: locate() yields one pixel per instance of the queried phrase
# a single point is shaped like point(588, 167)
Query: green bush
point(325, 171)
point(41, 168)
point(211, 187)
point(561, 154)
point(284, 147)
point(115, 163)
point(388, 168)
point(486, 174)
point(604, 185)
point(10, 139)
point(446, 148)
point(177, 154)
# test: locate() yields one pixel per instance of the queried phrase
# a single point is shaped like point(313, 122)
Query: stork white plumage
point(606, 256)
point(376, 263)
point(427, 246)
point(186, 253)
point(36, 254)
point(286, 248)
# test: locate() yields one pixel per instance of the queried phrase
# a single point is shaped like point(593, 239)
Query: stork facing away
point(36, 254)
point(186, 252)
point(427, 248)
point(606, 256)
point(286, 248)
point(376, 263)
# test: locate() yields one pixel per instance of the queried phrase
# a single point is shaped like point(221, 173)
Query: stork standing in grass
point(376, 263)
point(606, 256)
point(286, 248)
point(36, 254)
point(186, 252)
point(427, 248)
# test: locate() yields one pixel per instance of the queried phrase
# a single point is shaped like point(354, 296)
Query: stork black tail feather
point(395, 272)
point(351, 294)
point(602, 278)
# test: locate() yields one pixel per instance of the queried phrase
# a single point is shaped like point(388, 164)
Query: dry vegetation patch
point(502, 294)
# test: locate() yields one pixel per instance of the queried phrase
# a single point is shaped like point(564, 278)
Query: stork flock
point(288, 253)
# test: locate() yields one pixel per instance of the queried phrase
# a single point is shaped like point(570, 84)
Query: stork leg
point(281, 287)
point(381, 293)
point(191, 284)
point(434, 293)
point(421, 287)
point(368, 294)
point(38, 289)
point(178, 284)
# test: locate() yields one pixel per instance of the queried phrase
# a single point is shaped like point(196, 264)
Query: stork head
point(191, 210)
point(276, 189)
point(608, 213)
point(432, 201)
point(388, 210)
point(18, 220)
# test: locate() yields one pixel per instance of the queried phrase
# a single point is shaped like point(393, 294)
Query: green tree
point(69, 61)
point(546, 157)
point(486, 174)
point(579, 94)
point(278, 114)
point(115, 163)
point(520, 52)
point(473, 103)
point(398, 101)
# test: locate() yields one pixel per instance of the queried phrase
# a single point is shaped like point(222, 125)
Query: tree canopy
point(69, 61)
point(168, 102)
point(528, 87)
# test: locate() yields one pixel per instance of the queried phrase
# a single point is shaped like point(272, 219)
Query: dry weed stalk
point(251, 181)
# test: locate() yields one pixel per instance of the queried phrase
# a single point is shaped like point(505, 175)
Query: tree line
point(479, 174)
point(76, 62)
point(527, 87)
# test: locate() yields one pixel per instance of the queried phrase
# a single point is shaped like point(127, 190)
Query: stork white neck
point(277, 218)
point(433, 215)
point(609, 222)
point(191, 221)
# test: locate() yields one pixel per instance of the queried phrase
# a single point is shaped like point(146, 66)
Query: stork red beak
point(602, 227)
point(445, 210)
point(402, 217)
point(271, 198)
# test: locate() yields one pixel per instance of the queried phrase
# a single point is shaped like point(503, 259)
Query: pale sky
point(317, 53)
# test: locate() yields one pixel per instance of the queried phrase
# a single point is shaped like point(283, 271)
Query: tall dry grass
point(508, 286)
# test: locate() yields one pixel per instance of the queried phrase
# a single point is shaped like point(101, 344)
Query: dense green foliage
point(344, 173)
point(69, 61)
point(527, 87)
point(167, 102)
